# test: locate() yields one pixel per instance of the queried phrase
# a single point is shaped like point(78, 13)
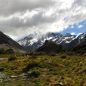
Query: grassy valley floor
point(42, 70)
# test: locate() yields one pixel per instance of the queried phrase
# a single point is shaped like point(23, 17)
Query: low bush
point(11, 58)
point(30, 66)
point(34, 74)
point(63, 57)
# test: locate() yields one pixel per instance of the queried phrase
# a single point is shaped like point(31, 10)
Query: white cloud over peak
point(22, 17)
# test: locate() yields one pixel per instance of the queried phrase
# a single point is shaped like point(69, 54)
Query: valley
point(48, 64)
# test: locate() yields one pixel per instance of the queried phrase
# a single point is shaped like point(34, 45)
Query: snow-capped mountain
point(32, 41)
point(79, 40)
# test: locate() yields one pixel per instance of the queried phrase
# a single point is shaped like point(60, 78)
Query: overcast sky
point(22, 17)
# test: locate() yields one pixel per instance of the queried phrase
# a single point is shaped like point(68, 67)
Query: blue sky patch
point(76, 28)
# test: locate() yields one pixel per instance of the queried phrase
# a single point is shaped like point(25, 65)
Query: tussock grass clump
point(63, 57)
point(52, 54)
point(33, 56)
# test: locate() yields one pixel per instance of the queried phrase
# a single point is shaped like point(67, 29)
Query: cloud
point(8, 7)
point(80, 26)
point(22, 17)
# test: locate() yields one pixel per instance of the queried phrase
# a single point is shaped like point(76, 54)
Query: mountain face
point(9, 45)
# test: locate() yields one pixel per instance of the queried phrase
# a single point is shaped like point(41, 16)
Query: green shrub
point(34, 74)
point(11, 58)
point(30, 66)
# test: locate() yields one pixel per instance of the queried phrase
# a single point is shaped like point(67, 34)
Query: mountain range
point(31, 42)
point(68, 41)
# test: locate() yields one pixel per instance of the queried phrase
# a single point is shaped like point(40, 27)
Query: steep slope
point(6, 43)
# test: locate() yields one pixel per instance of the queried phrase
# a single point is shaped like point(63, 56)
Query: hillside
point(50, 47)
point(7, 44)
